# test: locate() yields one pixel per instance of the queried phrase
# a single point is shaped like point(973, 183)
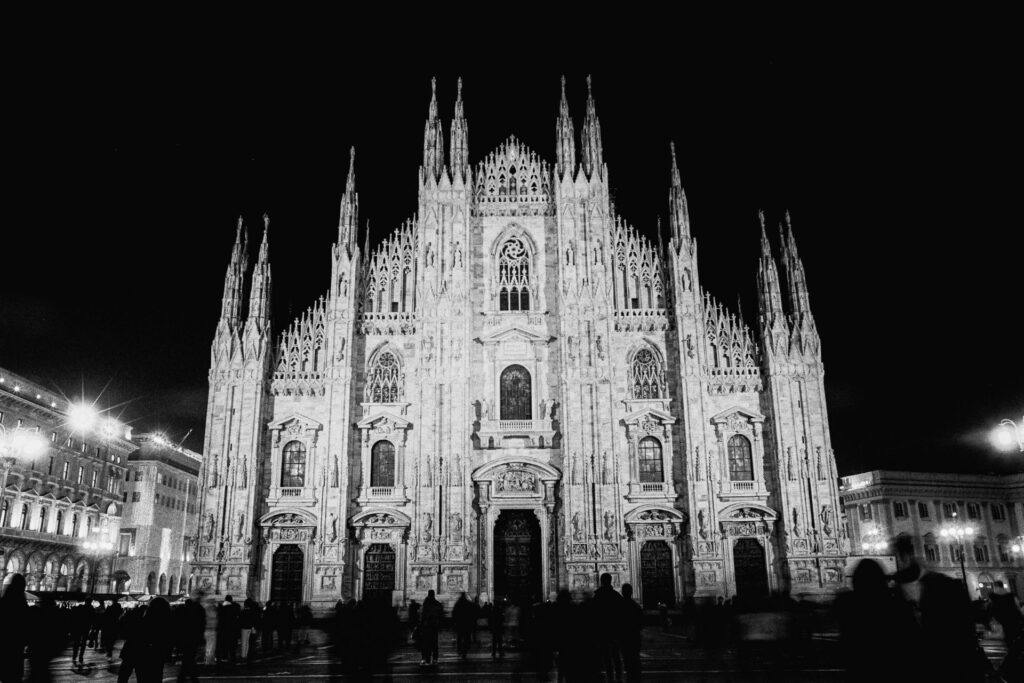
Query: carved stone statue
point(826, 519)
point(428, 471)
point(213, 472)
point(332, 528)
point(789, 463)
point(211, 526)
point(551, 407)
point(696, 463)
point(600, 347)
point(609, 525)
point(485, 409)
point(796, 523)
point(606, 470)
point(455, 524)
point(334, 473)
point(240, 535)
point(244, 470)
point(426, 533)
point(702, 524)
point(577, 532)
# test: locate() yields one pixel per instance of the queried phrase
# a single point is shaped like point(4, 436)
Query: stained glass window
point(650, 460)
point(741, 464)
point(513, 276)
point(382, 464)
point(293, 465)
point(648, 377)
point(383, 384)
point(515, 393)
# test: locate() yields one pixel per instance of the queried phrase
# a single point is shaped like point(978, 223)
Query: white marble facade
point(516, 348)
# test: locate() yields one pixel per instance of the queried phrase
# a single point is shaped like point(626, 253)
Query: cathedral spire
point(231, 304)
point(348, 218)
point(799, 300)
point(769, 296)
point(433, 139)
point(565, 139)
point(460, 139)
point(590, 138)
point(679, 212)
point(259, 297)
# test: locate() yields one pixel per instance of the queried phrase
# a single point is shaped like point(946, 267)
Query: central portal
point(517, 557)
point(286, 574)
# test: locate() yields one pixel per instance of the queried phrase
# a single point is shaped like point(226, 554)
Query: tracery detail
point(513, 276)
point(384, 380)
point(647, 375)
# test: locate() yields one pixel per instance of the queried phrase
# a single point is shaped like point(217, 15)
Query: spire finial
point(589, 93)
point(676, 181)
point(563, 86)
point(238, 230)
point(266, 223)
point(458, 90)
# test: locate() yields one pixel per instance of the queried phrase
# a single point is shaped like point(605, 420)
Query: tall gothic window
point(382, 464)
point(648, 377)
point(650, 460)
point(383, 385)
point(293, 465)
point(741, 463)
point(513, 276)
point(24, 517)
point(515, 393)
point(5, 513)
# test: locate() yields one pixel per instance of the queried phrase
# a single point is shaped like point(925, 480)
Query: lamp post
point(1008, 434)
point(957, 531)
point(876, 542)
point(96, 547)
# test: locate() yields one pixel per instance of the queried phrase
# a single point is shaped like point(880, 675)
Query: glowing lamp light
point(1016, 547)
point(28, 444)
point(159, 440)
point(1008, 436)
point(82, 417)
point(110, 429)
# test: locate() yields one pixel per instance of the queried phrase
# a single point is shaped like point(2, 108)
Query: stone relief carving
point(737, 423)
point(211, 525)
point(515, 479)
point(426, 532)
point(702, 524)
point(826, 519)
point(455, 524)
point(609, 525)
point(577, 533)
point(332, 528)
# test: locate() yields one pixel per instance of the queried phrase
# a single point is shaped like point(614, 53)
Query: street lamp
point(876, 542)
point(1008, 434)
point(17, 443)
point(957, 531)
point(97, 546)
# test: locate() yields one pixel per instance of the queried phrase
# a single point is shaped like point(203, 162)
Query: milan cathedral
point(513, 393)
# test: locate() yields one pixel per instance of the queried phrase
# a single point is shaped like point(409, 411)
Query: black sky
point(898, 155)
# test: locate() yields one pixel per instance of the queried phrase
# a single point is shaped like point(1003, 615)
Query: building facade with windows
point(62, 488)
point(515, 392)
point(161, 490)
point(883, 504)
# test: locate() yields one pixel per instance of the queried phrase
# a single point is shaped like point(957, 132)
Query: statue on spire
point(565, 139)
point(590, 138)
point(433, 139)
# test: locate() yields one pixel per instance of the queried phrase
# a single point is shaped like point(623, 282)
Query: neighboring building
point(917, 504)
point(516, 392)
point(62, 488)
point(160, 510)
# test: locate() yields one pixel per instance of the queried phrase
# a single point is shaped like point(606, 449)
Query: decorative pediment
point(502, 467)
point(648, 421)
point(287, 518)
point(295, 424)
point(513, 334)
point(747, 511)
point(384, 421)
point(655, 514)
point(732, 415)
point(378, 517)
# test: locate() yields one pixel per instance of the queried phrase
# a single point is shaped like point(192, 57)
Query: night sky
point(128, 165)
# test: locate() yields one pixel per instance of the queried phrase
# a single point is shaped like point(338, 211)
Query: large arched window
point(24, 517)
point(741, 463)
point(5, 513)
point(383, 383)
point(382, 464)
point(650, 460)
point(515, 393)
point(647, 374)
point(293, 465)
point(513, 276)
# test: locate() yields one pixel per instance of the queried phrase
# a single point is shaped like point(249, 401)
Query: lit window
point(515, 393)
point(865, 512)
point(81, 474)
point(981, 552)
point(384, 380)
point(382, 464)
point(650, 460)
point(92, 480)
point(53, 437)
point(741, 463)
point(5, 512)
point(293, 465)
point(948, 510)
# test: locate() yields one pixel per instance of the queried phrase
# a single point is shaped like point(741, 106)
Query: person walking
point(464, 617)
point(285, 623)
point(632, 622)
point(133, 652)
point(155, 642)
point(608, 609)
point(227, 629)
point(81, 622)
point(1005, 608)
point(246, 624)
point(210, 634)
point(268, 623)
point(191, 626)
point(430, 624)
point(111, 622)
point(303, 620)
point(496, 625)
point(47, 638)
point(13, 617)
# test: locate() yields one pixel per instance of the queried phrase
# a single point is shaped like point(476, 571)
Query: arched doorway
point(751, 569)
point(121, 581)
point(517, 556)
point(379, 573)
point(151, 584)
point(657, 582)
point(162, 590)
point(286, 574)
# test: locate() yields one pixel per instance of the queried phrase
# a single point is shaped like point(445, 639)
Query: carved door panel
point(751, 569)
point(286, 574)
point(379, 573)
point(656, 574)
point(517, 559)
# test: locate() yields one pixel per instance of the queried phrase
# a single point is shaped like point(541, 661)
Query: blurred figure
point(47, 638)
point(247, 621)
point(97, 625)
point(496, 625)
point(430, 624)
point(191, 625)
point(81, 622)
point(1005, 608)
point(873, 628)
point(285, 616)
point(414, 621)
point(303, 620)
point(13, 617)
point(269, 623)
point(156, 642)
point(948, 649)
point(210, 634)
point(564, 618)
point(345, 634)
point(227, 629)
point(464, 617)
point(111, 622)
point(608, 609)
point(133, 651)
point(632, 622)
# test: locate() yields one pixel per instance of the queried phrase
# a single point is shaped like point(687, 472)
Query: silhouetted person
point(191, 625)
point(1006, 610)
point(111, 623)
point(873, 627)
point(268, 624)
point(303, 620)
point(345, 634)
point(632, 622)
point(227, 628)
point(608, 610)
point(564, 618)
point(248, 619)
point(464, 617)
point(210, 634)
point(949, 648)
point(133, 651)
point(156, 643)
point(430, 624)
point(496, 625)
point(285, 623)
point(47, 637)
point(81, 622)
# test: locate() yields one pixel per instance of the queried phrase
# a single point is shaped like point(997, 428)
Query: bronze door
point(286, 574)
point(379, 573)
point(751, 569)
point(517, 559)
point(656, 576)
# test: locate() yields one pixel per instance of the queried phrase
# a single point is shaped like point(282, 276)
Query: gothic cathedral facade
point(514, 393)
